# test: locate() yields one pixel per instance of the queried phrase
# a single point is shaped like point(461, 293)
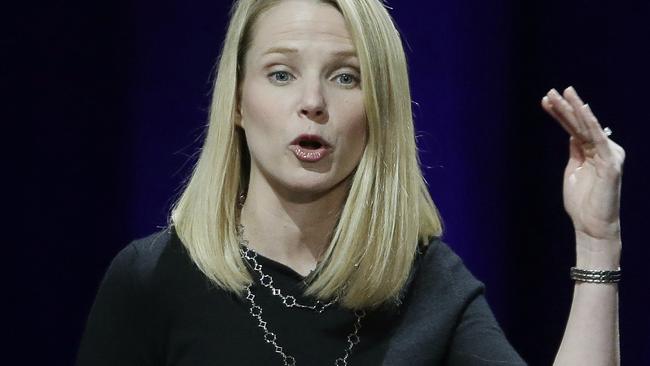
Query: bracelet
point(584, 275)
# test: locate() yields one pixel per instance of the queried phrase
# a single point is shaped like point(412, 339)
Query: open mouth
point(310, 144)
point(310, 148)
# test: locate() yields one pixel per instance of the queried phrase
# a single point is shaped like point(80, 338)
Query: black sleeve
point(115, 332)
point(478, 338)
point(446, 319)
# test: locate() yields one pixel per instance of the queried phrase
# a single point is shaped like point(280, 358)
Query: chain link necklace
point(289, 302)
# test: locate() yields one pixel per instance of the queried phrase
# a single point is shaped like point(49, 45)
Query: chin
point(303, 183)
point(307, 186)
point(310, 184)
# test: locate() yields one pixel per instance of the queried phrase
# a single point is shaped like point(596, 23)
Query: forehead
point(300, 22)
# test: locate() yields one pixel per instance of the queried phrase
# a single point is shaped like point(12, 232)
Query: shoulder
point(441, 286)
point(126, 320)
point(146, 258)
point(440, 290)
point(441, 268)
point(144, 253)
point(141, 255)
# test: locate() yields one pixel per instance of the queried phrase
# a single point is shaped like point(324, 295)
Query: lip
point(310, 155)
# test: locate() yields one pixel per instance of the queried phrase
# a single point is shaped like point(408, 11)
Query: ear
point(238, 116)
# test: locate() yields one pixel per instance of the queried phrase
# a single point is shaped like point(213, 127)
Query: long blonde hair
point(388, 210)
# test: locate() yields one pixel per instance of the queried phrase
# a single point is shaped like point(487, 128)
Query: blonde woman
point(306, 234)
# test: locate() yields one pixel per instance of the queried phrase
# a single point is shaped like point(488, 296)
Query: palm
point(592, 177)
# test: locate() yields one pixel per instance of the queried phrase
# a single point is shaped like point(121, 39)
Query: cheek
point(260, 107)
point(257, 111)
point(356, 126)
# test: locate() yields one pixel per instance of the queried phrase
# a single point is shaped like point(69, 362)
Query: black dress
point(154, 307)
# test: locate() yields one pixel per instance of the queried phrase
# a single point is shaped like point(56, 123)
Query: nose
point(313, 104)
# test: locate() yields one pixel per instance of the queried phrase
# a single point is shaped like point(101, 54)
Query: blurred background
point(106, 105)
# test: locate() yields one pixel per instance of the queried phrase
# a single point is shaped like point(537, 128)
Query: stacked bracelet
point(584, 275)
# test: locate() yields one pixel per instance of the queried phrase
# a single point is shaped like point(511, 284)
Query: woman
point(306, 234)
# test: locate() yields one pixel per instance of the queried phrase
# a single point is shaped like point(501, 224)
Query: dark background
point(106, 105)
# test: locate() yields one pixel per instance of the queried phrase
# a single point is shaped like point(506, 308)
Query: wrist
point(593, 253)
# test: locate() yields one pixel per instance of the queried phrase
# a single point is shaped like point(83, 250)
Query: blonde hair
point(388, 210)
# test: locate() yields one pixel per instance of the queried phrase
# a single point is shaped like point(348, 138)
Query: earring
point(242, 199)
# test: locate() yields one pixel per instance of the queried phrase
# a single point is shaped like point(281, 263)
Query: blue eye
point(281, 77)
point(347, 79)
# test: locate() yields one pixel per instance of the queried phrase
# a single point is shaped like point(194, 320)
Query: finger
point(565, 110)
point(575, 151)
point(571, 96)
point(595, 133)
point(556, 113)
point(549, 108)
point(600, 140)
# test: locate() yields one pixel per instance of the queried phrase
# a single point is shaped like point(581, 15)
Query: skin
point(292, 205)
point(592, 195)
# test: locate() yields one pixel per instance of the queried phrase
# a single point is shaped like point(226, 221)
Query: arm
point(446, 318)
point(115, 327)
point(478, 339)
point(591, 191)
point(591, 335)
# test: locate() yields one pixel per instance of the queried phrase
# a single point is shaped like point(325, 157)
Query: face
point(301, 103)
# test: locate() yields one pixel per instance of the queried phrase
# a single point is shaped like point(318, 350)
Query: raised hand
point(592, 177)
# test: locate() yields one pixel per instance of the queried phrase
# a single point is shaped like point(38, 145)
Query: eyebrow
point(288, 50)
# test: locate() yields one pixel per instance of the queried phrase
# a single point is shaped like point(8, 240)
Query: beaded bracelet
point(584, 275)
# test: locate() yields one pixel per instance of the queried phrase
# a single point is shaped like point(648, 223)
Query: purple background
point(106, 107)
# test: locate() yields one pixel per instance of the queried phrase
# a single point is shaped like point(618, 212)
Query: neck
point(293, 229)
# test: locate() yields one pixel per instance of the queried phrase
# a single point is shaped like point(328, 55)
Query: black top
point(155, 307)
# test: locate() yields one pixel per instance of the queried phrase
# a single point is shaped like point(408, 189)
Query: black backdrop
point(106, 105)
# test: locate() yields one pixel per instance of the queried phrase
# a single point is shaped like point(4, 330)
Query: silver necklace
point(267, 281)
point(289, 302)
